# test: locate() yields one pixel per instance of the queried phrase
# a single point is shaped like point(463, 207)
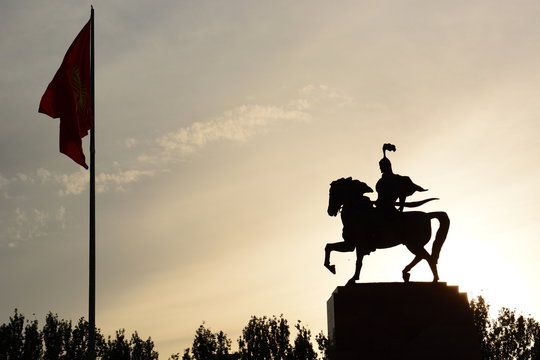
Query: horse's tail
point(440, 237)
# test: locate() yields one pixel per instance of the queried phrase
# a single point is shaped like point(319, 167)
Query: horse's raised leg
point(356, 276)
point(341, 247)
point(327, 250)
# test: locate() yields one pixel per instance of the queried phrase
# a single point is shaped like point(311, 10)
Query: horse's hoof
point(351, 282)
point(406, 276)
point(435, 280)
point(332, 268)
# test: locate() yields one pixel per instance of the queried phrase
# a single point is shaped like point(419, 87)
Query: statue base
point(401, 321)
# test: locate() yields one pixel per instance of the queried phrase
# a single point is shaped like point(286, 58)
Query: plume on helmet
point(389, 147)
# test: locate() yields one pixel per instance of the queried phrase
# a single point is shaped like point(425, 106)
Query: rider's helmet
point(385, 164)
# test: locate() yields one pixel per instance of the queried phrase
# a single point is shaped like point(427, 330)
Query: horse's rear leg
point(421, 254)
point(341, 247)
point(405, 272)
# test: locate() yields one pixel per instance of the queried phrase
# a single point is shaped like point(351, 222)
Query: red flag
point(68, 97)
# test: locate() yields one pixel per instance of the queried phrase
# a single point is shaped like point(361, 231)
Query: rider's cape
point(391, 187)
point(396, 185)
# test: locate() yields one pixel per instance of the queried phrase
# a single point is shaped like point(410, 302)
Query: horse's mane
point(354, 185)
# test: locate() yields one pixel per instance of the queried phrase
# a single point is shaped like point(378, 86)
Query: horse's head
point(341, 191)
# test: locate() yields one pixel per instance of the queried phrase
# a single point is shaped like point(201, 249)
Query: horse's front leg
point(327, 250)
point(341, 247)
point(356, 276)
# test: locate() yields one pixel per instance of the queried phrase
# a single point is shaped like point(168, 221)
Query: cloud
point(238, 124)
point(4, 183)
point(105, 181)
point(77, 182)
point(323, 93)
point(24, 178)
point(60, 216)
point(7, 185)
point(74, 183)
point(25, 222)
point(30, 224)
point(130, 143)
point(43, 175)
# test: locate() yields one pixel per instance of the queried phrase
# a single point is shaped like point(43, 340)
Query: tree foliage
point(303, 349)
point(263, 338)
point(508, 336)
point(61, 340)
point(12, 338)
point(209, 346)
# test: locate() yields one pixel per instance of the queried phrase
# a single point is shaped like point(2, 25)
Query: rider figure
point(392, 187)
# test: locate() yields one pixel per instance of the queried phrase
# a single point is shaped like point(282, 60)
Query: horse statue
point(367, 229)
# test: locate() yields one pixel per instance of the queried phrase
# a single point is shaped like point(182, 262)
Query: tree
point(324, 346)
point(480, 311)
point(210, 346)
point(32, 348)
point(63, 341)
point(223, 347)
point(204, 344)
point(142, 349)
point(12, 338)
point(56, 336)
point(303, 349)
point(76, 346)
point(509, 336)
point(536, 348)
point(177, 356)
point(117, 348)
point(265, 339)
point(186, 355)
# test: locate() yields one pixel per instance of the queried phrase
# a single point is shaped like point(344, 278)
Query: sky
point(221, 124)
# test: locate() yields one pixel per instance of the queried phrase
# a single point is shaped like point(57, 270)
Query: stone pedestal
point(401, 321)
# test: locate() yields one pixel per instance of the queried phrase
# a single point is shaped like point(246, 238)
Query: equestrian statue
point(380, 224)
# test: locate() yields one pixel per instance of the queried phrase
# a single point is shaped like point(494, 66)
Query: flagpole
point(92, 257)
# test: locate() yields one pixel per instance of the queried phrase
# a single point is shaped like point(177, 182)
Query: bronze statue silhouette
point(367, 228)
